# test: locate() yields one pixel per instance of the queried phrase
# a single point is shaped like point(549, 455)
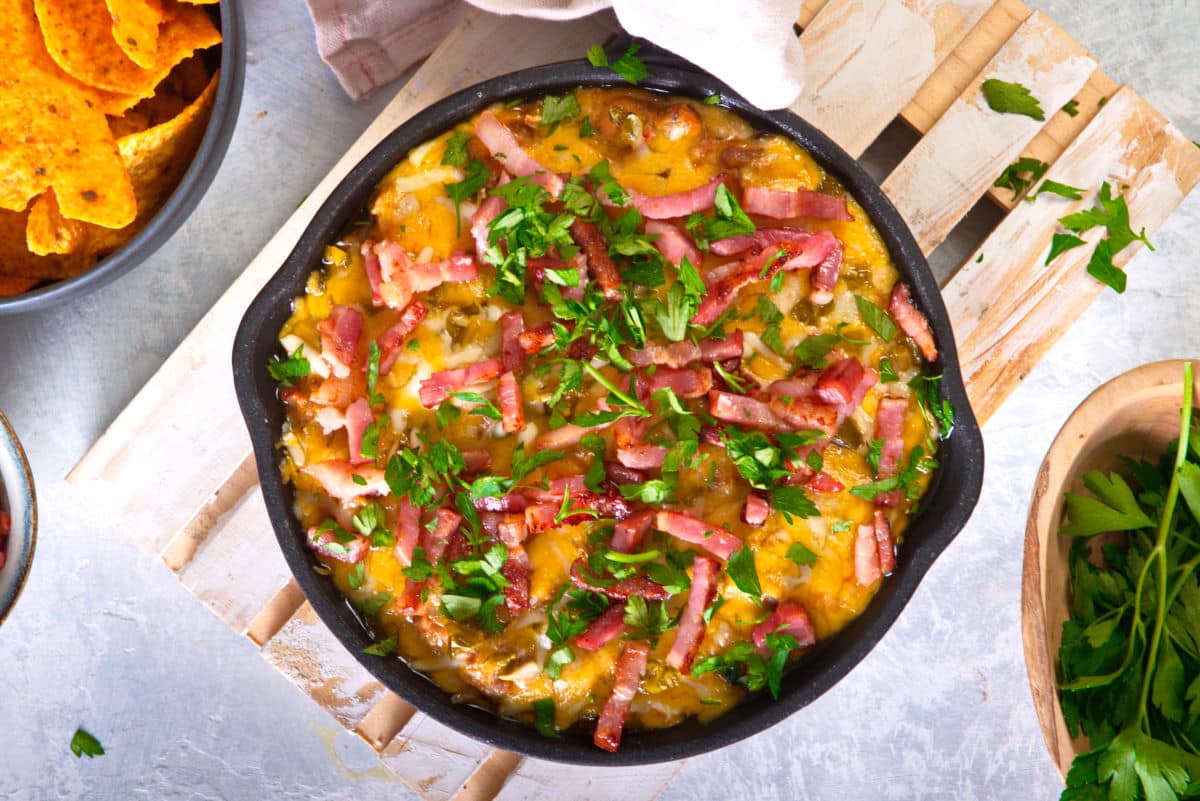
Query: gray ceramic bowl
point(17, 496)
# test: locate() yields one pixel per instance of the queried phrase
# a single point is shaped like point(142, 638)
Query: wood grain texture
point(1007, 308)
point(432, 759)
point(956, 162)
point(866, 59)
point(1135, 415)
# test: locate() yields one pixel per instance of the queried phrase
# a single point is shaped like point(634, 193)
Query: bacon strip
point(512, 532)
point(691, 629)
point(334, 391)
point(911, 321)
point(477, 461)
point(681, 354)
point(743, 411)
point(358, 417)
point(803, 414)
point(630, 667)
point(844, 383)
point(564, 436)
point(642, 457)
point(327, 543)
point(756, 510)
point(823, 483)
point(760, 239)
point(824, 276)
point(340, 333)
point(673, 243)
point(599, 263)
point(402, 278)
point(889, 427)
point(785, 205)
point(866, 556)
point(512, 355)
point(408, 531)
point(503, 144)
point(713, 539)
point(887, 545)
point(607, 627)
point(629, 533)
point(437, 387)
point(512, 407)
point(336, 477)
point(679, 204)
point(330, 419)
point(536, 339)
point(373, 270)
point(639, 585)
point(726, 281)
point(396, 337)
point(488, 210)
point(687, 382)
point(788, 618)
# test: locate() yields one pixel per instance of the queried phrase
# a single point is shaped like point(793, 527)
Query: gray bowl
point(232, 61)
point(17, 496)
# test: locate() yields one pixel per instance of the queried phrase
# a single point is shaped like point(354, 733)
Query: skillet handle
point(650, 53)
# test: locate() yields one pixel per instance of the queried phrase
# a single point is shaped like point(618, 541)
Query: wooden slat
point(1008, 308)
point(432, 759)
point(958, 159)
point(866, 59)
point(239, 568)
point(306, 652)
point(535, 780)
point(195, 384)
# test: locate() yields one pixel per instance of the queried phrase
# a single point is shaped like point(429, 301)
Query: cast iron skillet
point(230, 56)
point(945, 509)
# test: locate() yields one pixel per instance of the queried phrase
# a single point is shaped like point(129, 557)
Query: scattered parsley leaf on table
point(85, 745)
point(1060, 244)
point(1013, 178)
point(1055, 188)
point(1012, 98)
point(1071, 107)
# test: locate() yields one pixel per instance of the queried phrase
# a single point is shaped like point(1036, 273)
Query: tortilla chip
point(129, 123)
point(188, 79)
point(48, 232)
point(79, 37)
point(135, 29)
point(17, 262)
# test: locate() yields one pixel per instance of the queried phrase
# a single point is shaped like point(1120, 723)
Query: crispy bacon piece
point(512, 407)
point(691, 624)
point(824, 276)
point(396, 337)
point(743, 411)
point(5, 530)
point(681, 354)
point(352, 551)
point(564, 436)
point(726, 281)
point(512, 355)
point(340, 333)
point(340, 392)
point(541, 517)
point(887, 545)
point(757, 241)
point(599, 263)
point(618, 473)
point(437, 542)
point(639, 585)
point(336, 477)
point(373, 270)
point(629, 533)
point(358, 417)
point(513, 502)
point(823, 483)
point(516, 160)
point(756, 510)
point(536, 339)
point(844, 383)
point(673, 243)
point(713, 539)
point(788, 618)
point(687, 382)
point(512, 532)
point(437, 387)
point(889, 427)
point(866, 556)
point(911, 321)
point(804, 414)
point(557, 489)
point(402, 278)
point(488, 210)
point(679, 204)
point(607, 627)
point(786, 205)
point(642, 457)
point(477, 461)
point(408, 531)
point(630, 667)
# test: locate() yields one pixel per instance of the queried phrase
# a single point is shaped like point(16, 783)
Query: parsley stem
point(611, 387)
point(1159, 553)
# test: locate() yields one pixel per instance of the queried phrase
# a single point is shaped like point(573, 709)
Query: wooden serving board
point(869, 62)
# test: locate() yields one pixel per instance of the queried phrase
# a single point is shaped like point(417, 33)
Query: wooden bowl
point(1136, 414)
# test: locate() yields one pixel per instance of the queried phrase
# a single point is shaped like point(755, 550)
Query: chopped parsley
point(743, 664)
point(1071, 107)
point(476, 176)
point(284, 371)
point(384, 647)
point(928, 389)
point(728, 221)
point(1020, 175)
point(887, 373)
point(628, 66)
point(544, 718)
point(456, 149)
point(1112, 214)
point(875, 318)
point(556, 110)
point(84, 744)
point(743, 573)
point(801, 555)
point(1011, 98)
point(1060, 244)
point(1055, 188)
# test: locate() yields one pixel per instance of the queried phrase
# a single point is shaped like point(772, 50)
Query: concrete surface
point(106, 638)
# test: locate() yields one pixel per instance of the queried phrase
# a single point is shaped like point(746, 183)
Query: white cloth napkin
point(749, 44)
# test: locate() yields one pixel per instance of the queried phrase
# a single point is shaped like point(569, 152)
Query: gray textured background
point(106, 638)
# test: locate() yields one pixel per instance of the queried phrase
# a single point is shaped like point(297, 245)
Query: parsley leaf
point(1021, 174)
point(456, 149)
point(1060, 244)
point(1011, 98)
point(1071, 107)
point(85, 745)
point(887, 373)
point(801, 555)
point(728, 221)
point(628, 66)
point(1055, 188)
point(793, 502)
point(875, 318)
point(285, 370)
point(544, 718)
point(555, 110)
point(1101, 267)
point(384, 647)
point(476, 176)
point(742, 572)
point(1115, 508)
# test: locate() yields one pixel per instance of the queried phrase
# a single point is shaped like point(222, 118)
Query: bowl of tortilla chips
point(114, 116)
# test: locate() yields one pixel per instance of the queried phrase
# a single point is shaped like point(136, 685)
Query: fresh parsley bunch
point(1129, 664)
